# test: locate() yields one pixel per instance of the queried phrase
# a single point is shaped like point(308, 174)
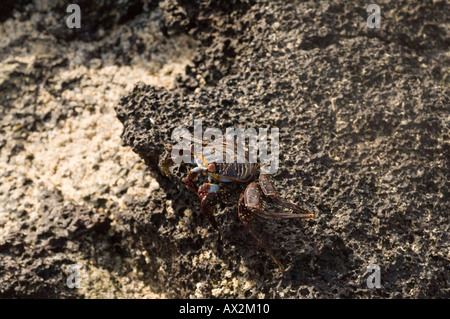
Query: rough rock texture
point(364, 124)
point(64, 176)
point(34, 259)
point(364, 129)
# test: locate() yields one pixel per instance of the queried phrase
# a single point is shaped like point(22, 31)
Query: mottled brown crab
point(252, 202)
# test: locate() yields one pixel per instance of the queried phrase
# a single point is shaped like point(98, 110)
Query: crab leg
point(190, 179)
point(280, 215)
point(246, 216)
point(168, 161)
point(210, 195)
point(269, 190)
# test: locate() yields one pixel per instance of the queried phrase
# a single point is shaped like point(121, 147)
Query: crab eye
point(211, 168)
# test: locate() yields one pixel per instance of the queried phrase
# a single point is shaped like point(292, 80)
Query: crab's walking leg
point(269, 190)
point(210, 195)
point(246, 216)
point(168, 161)
point(192, 176)
point(254, 200)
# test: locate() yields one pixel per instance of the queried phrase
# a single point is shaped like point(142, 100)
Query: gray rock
point(364, 128)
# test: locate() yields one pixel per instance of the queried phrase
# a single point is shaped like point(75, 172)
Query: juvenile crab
point(252, 202)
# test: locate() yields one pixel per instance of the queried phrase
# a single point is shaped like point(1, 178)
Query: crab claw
point(246, 215)
point(210, 195)
point(269, 191)
point(252, 203)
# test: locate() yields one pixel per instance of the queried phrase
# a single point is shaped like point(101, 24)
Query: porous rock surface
point(64, 176)
point(364, 132)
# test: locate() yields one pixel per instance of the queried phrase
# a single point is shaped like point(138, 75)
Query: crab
point(252, 202)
